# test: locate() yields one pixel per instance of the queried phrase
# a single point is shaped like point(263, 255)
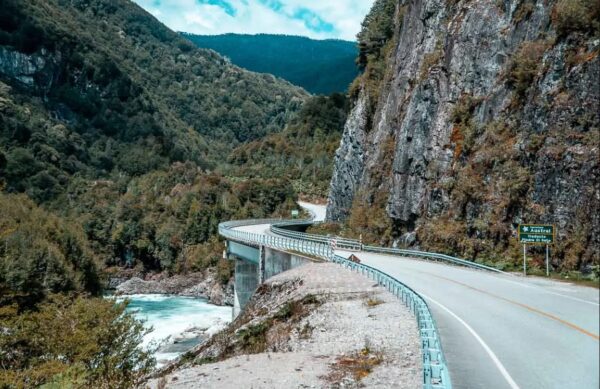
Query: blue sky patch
point(319, 19)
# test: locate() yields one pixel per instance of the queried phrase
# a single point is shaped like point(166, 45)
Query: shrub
point(525, 66)
point(100, 349)
point(429, 61)
point(570, 16)
point(464, 131)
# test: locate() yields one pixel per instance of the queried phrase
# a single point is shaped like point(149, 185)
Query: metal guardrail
point(435, 370)
point(430, 255)
point(354, 244)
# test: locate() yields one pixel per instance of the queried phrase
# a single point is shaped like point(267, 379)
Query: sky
point(318, 19)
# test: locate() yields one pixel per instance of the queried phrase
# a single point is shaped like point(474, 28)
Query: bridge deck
point(523, 333)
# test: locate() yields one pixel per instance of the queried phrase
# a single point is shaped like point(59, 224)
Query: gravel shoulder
point(316, 326)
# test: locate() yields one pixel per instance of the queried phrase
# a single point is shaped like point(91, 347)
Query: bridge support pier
point(246, 282)
point(253, 266)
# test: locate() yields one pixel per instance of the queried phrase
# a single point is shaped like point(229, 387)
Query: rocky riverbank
point(202, 285)
point(316, 326)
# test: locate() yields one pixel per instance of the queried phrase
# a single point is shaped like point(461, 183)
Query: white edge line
point(554, 293)
point(487, 349)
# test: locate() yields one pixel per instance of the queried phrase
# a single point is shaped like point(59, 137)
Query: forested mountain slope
point(470, 118)
point(95, 86)
point(112, 130)
point(95, 93)
point(319, 66)
point(302, 152)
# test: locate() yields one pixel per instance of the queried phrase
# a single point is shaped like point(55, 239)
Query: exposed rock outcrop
point(492, 111)
point(349, 162)
point(193, 285)
point(32, 70)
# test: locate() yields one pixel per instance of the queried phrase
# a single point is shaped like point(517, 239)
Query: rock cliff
point(485, 116)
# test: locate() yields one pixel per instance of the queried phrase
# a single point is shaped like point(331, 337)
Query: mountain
point(101, 86)
point(113, 130)
point(319, 66)
point(470, 118)
point(303, 152)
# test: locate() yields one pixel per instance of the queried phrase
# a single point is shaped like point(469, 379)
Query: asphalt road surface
point(503, 331)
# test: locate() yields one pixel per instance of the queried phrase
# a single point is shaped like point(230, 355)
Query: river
point(179, 323)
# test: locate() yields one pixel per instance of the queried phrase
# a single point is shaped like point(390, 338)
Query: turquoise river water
point(179, 323)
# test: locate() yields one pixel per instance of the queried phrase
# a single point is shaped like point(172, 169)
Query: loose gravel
point(356, 316)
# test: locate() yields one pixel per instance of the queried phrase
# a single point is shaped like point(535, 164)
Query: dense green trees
point(72, 342)
point(96, 107)
point(41, 253)
point(52, 330)
point(303, 152)
point(319, 66)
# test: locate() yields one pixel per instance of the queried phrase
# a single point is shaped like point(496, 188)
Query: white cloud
point(254, 16)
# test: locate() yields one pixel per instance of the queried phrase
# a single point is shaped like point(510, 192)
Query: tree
point(100, 349)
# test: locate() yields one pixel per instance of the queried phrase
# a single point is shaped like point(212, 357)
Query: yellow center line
point(530, 308)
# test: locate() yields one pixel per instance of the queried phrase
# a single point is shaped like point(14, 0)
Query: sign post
point(547, 261)
point(295, 213)
point(525, 260)
point(536, 234)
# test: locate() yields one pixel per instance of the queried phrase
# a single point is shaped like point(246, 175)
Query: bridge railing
point(340, 243)
point(435, 370)
point(317, 249)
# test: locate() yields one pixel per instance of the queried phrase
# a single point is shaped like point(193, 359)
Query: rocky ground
point(203, 285)
point(316, 326)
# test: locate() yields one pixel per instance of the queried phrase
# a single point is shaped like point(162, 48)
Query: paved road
point(319, 211)
point(502, 331)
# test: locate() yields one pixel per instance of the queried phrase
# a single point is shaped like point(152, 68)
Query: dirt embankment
point(316, 326)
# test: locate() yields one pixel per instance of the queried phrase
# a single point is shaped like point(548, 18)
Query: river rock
point(193, 285)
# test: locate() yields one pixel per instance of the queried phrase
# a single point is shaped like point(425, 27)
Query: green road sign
point(536, 233)
point(295, 213)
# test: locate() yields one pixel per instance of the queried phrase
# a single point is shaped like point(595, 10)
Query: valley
point(128, 149)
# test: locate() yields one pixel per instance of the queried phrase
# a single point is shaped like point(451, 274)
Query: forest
point(319, 66)
point(125, 157)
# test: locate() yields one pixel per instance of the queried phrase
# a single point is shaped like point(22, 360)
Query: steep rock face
point(27, 68)
point(348, 162)
point(493, 113)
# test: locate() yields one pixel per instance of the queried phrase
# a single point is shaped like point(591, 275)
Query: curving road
point(502, 331)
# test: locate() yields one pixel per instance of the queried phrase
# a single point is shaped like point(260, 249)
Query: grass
point(373, 302)
point(253, 339)
point(355, 366)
